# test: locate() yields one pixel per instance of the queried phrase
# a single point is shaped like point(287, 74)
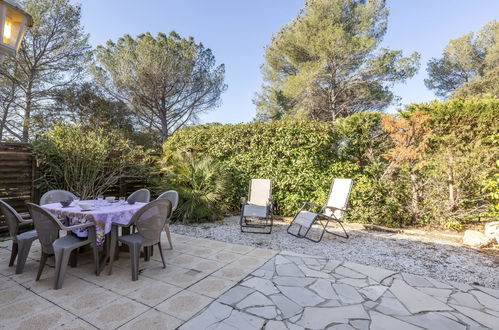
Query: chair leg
point(134, 261)
point(161, 253)
point(95, 249)
point(23, 246)
point(168, 235)
point(13, 253)
point(147, 253)
point(61, 264)
point(73, 258)
point(346, 236)
point(43, 260)
point(114, 243)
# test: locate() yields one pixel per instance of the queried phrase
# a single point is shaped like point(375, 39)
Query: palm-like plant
point(201, 184)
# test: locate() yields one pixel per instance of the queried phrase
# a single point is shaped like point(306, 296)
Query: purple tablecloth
point(103, 216)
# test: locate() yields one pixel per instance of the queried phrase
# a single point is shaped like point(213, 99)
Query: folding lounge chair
point(256, 211)
point(332, 211)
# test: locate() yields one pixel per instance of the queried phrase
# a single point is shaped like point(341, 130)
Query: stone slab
point(415, 300)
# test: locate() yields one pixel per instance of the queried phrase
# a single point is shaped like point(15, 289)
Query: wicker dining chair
point(56, 196)
point(21, 243)
point(141, 196)
point(172, 196)
point(47, 226)
point(150, 221)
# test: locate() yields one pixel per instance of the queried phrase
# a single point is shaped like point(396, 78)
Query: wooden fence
point(18, 174)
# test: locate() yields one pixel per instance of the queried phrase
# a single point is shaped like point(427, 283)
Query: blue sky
point(237, 32)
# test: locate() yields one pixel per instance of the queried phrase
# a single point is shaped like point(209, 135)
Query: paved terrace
point(215, 285)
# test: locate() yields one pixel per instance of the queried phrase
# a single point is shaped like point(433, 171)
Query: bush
point(301, 157)
point(86, 162)
point(201, 185)
point(448, 175)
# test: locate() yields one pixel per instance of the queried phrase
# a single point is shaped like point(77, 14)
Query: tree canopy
point(54, 54)
point(468, 66)
point(166, 81)
point(328, 63)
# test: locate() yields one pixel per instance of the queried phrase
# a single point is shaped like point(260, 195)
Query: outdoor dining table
point(103, 214)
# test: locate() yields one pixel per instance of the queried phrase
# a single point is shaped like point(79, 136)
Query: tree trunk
point(27, 112)
point(415, 197)
point(164, 130)
point(450, 182)
point(3, 122)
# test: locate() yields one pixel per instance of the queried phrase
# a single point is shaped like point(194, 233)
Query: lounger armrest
point(312, 204)
point(332, 208)
point(83, 225)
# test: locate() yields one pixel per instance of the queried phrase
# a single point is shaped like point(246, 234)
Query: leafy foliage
point(53, 55)
point(201, 185)
point(86, 161)
point(327, 63)
point(167, 80)
point(468, 66)
point(431, 164)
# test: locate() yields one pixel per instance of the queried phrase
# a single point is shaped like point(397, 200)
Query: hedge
point(302, 158)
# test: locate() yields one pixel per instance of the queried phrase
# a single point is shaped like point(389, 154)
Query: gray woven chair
point(56, 196)
point(257, 207)
point(150, 221)
point(172, 196)
point(141, 196)
point(47, 226)
point(21, 243)
point(332, 210)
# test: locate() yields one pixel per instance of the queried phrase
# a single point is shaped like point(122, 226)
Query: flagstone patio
point(214, 285)
point(292, 291)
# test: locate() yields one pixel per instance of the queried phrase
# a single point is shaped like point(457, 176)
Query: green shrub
point(201, 185)
point(302, 157)
point(86, 162)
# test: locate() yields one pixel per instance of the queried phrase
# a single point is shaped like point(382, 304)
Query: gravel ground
point(422, 255)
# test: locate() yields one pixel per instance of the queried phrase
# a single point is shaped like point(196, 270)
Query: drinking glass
point(77, 201)
point(100, 198)
point(122, 200)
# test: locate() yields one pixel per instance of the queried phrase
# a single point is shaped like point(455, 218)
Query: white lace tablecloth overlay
point(103, 216)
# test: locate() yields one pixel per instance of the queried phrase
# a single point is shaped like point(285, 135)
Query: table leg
point(105, 254)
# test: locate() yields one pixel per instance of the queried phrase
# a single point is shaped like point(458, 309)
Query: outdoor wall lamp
point(13, 23)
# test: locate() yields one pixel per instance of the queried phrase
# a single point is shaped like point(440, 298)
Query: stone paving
point(293, 291)
point(198, 271)
point(214, 285)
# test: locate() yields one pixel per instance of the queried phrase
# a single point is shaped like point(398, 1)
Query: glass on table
point(100, 198)
point(76, 201)
point(122, 200)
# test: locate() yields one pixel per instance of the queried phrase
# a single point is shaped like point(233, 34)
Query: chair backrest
point(55, 196)
point(172, 196)
point(46, 225)
point(338, 196)
point(151, 218)
point(260, 191)
point(141, 195)
point(11, 217)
